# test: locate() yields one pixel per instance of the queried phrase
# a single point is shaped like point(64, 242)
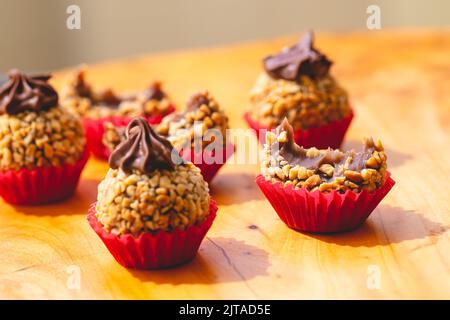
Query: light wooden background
point(399, 84)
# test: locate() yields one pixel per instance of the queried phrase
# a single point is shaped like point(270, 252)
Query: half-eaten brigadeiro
point(325, 170)
point(322, 190)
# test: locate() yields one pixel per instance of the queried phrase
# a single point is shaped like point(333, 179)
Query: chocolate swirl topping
point(26, 93)
point(300, 59)
point(142, 150)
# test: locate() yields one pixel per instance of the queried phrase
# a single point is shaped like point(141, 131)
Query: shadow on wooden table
point(219, 260)
point(395, 158)
point(79, 203)
point(235, 188)
point(394, 225)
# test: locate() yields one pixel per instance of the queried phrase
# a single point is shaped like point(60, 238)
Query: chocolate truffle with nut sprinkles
point(201, 107)
point(80, 96)
point(202, 123)
point(37, 135)
point(179, 127)
point(145, 190)
point(322, 190)
point(296, 84)
point(105, 107)
point(153, 208)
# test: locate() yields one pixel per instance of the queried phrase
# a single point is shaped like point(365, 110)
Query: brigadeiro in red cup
point(322, 191)
point(296, 84)
point(153, 208)
point(199, 133)
point(98, 108)
point(42, 144)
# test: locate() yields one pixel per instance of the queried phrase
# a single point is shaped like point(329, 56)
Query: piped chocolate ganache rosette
point(199, 133)
point(153, 208)
point(297, 85)
point(322, 190)
point(98, 108)
point(42, 145)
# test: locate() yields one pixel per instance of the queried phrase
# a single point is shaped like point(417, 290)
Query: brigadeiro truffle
point(296, 84)
point(42, 145)
point(199, 133)
point(153, 208)
point(100, 107)
point(322, 190)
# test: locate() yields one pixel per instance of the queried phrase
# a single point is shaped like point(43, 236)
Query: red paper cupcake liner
point(206, 160)
point(161, 250)
point(95, 129)
point(41, 185)
point(328, 135)
point(322, 212)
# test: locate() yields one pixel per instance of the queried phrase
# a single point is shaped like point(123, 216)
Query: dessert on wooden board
point(153, 208)
point(199, 132)
point(42, 144)
point(296, 84)
point(322, 190)
point(98, 106)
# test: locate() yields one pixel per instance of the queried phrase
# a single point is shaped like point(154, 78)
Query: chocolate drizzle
point(142, 150)
point(26, 93)
point(300, 59)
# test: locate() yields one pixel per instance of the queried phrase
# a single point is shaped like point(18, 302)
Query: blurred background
point(34, 36)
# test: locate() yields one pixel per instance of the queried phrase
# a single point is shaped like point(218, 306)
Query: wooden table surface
point(399, 85)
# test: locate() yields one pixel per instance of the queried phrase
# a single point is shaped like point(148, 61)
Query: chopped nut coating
point(39, 139)
point(323, 170)
point(306, 104)
point(165, 200)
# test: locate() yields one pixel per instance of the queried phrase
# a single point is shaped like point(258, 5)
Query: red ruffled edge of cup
point(327, 135)
point(161, 250)
point(95, 129)
point(41, 185)
point(206, 160)
point(321, 212)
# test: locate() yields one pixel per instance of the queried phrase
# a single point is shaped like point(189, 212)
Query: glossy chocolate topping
point(300, 59)
point(142, 150)
point(26, 93)
point(296, 155)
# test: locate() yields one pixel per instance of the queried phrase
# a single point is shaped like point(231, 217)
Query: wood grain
point(399, 84)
